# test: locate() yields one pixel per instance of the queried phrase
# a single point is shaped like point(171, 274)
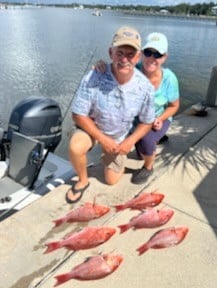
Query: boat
point(29, 168)
point(97, 13)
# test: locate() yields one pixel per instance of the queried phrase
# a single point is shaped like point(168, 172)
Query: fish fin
point(154, 191)
point(143, 210)
point(123, 228)
point(62, 278)
point(142, 249)
point(71, 221)
point(70, 234)
point(70, 247)
point(156, 233)
point(119, 207)
point(58, 222)
point(88, 259)
point(94, 201)
point(52, 246)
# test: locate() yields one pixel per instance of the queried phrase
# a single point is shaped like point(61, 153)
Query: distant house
point(214, 10)
point(164, 11)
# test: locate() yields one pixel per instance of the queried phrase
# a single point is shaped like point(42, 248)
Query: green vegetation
point(187, 9)
point(202, 9)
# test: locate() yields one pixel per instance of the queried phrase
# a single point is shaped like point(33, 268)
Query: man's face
point(124, 58)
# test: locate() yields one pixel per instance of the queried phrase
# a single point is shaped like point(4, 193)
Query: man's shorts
point(111, 161)
point(114, 162)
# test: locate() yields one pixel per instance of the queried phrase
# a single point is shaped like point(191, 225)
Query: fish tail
point(58, 222)
point(119, 207)
point(123, 228)
point(52, 246)
point(62, 278)
point(142, 249)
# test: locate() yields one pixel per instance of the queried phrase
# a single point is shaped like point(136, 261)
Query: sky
point(119, 2)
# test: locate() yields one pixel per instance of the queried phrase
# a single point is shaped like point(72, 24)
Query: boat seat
point(25, 160)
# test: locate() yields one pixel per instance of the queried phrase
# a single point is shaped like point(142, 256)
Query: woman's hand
point(157, 124)
point(100, 66)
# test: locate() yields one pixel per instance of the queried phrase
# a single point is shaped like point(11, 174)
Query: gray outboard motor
point(37, 117)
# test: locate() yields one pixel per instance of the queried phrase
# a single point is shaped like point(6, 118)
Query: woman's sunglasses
point(149, 53)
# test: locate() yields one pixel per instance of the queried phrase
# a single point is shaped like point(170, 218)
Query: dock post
point(211, 97)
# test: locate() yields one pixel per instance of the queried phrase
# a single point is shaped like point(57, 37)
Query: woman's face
point(152, 60)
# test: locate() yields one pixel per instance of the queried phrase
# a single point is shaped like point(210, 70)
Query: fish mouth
point(115, 260)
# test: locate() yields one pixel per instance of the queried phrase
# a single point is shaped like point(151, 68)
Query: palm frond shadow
point(194, 150)
point(206, 196)
point(189, 142)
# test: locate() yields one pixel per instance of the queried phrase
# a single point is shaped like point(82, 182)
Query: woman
point(154, 55)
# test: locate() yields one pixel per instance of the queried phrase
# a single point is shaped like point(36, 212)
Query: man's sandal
point(72, 191)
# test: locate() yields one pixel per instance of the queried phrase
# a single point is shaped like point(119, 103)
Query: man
point(104, 109)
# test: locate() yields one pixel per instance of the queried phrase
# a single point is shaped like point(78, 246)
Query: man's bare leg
point(112, 177)
point(79, 145)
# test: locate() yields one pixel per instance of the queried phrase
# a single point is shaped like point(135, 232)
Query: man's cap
point(127, 36)
point(157, 41)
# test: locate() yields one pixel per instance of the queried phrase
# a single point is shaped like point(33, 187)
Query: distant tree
point(182, 8)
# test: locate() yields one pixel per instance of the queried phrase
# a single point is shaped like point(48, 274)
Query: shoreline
point(174, 16)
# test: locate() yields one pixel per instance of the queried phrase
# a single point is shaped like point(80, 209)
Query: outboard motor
point(37, 117)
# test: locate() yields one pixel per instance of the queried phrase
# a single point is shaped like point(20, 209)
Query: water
point(46, 51)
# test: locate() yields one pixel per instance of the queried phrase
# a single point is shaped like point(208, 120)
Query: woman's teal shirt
point(167, 92)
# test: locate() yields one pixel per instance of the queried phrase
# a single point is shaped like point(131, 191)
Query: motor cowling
point(38, 117)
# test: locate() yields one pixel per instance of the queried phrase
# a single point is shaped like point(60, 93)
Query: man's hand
point(109, 145)
point(126, 146)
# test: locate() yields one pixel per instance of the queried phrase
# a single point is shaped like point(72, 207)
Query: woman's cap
point(127, 36)
point(157, 41)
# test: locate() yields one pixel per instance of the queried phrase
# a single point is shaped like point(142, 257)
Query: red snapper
point(142, 201)
point(93, 268)
point(88, 237)
point(164, 238)
point(84, 213)
point(151, 218)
